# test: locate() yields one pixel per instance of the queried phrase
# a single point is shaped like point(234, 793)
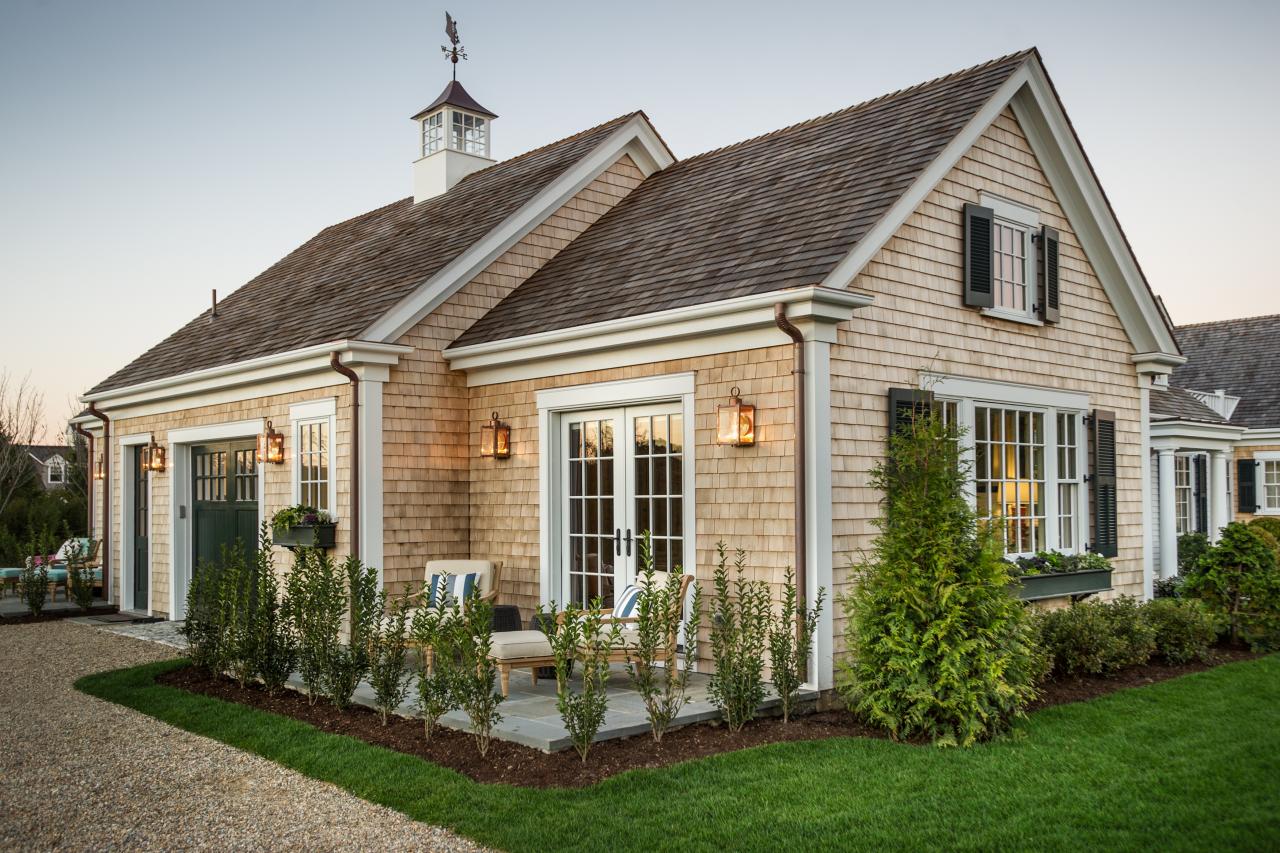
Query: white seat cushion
point(512, 645)
point(626, 639)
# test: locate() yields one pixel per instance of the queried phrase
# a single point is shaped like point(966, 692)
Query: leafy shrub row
point(1103, 638)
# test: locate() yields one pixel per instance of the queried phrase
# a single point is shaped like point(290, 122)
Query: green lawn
point(1192, 763)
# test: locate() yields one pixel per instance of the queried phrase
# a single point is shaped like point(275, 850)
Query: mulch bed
point(54, 615)
point(514, 764)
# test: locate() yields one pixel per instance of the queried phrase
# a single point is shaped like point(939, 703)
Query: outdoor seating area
point(58, 577)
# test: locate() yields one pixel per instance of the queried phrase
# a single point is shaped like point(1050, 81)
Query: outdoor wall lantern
point(271, 446)
point(736, 422)
point(99, 469)
point(153, 456)
point(495, 438)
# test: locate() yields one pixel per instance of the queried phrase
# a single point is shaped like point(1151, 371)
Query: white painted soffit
point(730, 324)
point(269, 368)
point(1048, 130)
point(636, 138)
point(1195, 430)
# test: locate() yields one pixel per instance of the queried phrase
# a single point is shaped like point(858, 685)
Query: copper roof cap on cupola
point(454, 96)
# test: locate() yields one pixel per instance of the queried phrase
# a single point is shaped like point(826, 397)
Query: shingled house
point(1216, 432)
point(602, 303)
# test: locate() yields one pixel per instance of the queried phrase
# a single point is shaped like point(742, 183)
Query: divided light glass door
point(622, 474)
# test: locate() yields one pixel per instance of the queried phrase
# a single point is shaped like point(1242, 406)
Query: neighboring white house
point(50, 464)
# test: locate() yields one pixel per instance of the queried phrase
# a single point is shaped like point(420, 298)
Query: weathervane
point(453, 54)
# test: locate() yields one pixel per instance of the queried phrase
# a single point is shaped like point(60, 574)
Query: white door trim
point(127, 567)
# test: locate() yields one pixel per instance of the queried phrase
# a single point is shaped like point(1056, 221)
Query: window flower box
point(1059, 584)
point(319, 535)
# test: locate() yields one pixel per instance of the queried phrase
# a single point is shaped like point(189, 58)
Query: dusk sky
point(156, 150)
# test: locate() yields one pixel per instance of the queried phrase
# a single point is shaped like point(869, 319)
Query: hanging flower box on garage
point(322, 535)
point(1059, 584)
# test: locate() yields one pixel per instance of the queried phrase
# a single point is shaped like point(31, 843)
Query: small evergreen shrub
point(937, 647)
point(1184, 630)
point(33, 581)
point(346, 663)
point(1095, 638)
point(203, 625)
point(1170, 587)
point(739, 630)
point(438, 671)
point(476, 670)
point(79, 576)
point(317, 604)
point(1190, 548)
point(580, 635)
point(237, 600)
point(275, 645)
point(1239, 581)
point(1270, 524)
point(388, 649)
point(660, 613)
point(791, 642)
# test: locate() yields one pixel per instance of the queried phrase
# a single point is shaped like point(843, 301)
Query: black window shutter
point(1103, 483)
point(978, 273)
point(906, 404)
point(1200, 488)
point(1247, 485)
point(1049, 274)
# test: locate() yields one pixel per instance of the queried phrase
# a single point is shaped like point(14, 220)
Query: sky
point(153, 151)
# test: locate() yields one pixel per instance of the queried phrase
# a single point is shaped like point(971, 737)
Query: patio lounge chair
point(532, 650)
point(450, 581)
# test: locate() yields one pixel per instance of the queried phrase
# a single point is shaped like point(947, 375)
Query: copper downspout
point(336, 363)
point(88, 478)
point(801, 456)
point(106, 498)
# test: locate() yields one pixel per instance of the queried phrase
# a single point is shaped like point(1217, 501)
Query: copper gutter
point(801, 456)
point(336, 363)
point(88, 479)
point(106, 499)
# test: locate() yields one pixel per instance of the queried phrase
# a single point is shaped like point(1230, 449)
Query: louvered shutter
point(1247, 485)
point(978, 274)
point(906, 404)
point(1049, 274)
point(1103, 483)
point(1199, 474)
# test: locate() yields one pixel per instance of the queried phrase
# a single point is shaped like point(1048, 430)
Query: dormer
point(453, 138)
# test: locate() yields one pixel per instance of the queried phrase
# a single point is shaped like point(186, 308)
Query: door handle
point(628, 541)
point(617, 541)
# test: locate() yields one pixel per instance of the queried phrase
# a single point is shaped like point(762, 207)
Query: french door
point(622, 475)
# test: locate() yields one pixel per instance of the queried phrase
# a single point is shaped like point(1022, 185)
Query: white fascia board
point(744, 322)
point(1192, 434)
point(1028, 91)
point(1259, 436)
point(300, 369)
point(636, 138)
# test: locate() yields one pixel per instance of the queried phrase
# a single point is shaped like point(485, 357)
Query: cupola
point(453, 133)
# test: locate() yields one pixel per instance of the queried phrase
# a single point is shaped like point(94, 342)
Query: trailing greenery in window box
point(1051, 574)
point(302, 526)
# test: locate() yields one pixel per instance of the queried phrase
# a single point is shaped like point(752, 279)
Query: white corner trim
point(819, 543)
point(636, 137)
point(598, 395)
point(726, 325)
point(271, 374)
point(991, 391)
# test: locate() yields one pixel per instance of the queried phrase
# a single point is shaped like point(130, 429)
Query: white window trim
point(1190, 489)
point(1027, 218)
point(301, 414)
point(56, 464)
point(1260, 484)
point(968, 394)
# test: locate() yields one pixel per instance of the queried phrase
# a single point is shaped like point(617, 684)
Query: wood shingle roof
point(1240, 356)
point(766, 214)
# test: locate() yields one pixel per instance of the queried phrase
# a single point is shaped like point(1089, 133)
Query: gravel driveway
point(79, 773)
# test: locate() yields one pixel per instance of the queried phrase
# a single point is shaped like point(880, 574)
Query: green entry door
point(224, 506)
point(141, 527)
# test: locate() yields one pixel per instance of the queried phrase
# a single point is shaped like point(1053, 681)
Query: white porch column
point(1168, 515)
point(1220, 505)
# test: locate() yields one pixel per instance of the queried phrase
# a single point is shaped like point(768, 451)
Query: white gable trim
point(1048, 131)
point(636, 138)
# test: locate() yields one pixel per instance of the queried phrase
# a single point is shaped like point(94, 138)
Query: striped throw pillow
point(451, 590)
point(627, 603)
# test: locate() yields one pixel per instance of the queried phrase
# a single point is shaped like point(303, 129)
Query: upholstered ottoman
point(520, 650)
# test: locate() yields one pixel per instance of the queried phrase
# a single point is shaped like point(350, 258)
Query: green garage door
point(224, 490)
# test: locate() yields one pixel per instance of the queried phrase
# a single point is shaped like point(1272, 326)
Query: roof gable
point(344, 279)
point(1240, 357)
point(774, 212)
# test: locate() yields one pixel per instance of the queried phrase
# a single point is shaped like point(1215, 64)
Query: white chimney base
point(438, 173)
